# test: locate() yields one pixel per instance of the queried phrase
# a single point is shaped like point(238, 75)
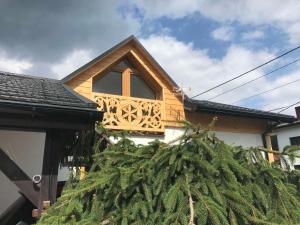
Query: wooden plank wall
point(82, 83)
point(174, 109)
point(173, 106)
point(228, 123)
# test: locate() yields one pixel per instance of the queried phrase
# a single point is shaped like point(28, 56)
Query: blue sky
point(200, 43)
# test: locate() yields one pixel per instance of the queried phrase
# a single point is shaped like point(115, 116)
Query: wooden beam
point(53, 148)
point(126, 82)
point(269, 147)
point(13, 172)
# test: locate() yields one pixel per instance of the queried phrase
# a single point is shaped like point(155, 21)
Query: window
point(295, 140)
point(124, 80)
point(297, 167)
point(110, 83)
point(274, 143)
point(139, 88)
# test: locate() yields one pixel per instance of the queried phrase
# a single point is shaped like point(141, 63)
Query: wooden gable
point(154, 75)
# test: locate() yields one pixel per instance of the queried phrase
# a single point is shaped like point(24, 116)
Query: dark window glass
point(110, 83)
point(295, 140)
point(124, 64)
point(139, 88)
point(297, 167)
point(274, 142)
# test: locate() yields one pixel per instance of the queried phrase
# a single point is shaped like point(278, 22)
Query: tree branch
point(191, 210)
point(104, 136)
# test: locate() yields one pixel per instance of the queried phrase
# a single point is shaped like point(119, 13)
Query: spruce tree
point(199, 180)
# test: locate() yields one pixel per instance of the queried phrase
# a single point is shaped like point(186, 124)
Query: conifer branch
point(104, 136)
point(191, 203)
point(105, 222)
point(192, 211)
point(201, 180)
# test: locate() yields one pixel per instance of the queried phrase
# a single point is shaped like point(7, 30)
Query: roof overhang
point(16, 115)
point(134, 42)
point(214, 108)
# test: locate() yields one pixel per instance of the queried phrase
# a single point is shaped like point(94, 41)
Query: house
point(125, 86)
point(136, 94)
point(288, 134)
point(37, 118)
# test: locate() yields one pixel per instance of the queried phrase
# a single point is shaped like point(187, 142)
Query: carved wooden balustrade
point(128, 113)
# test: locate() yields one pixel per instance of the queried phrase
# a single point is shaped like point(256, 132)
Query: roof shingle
point(215, 107)
point(23, 89)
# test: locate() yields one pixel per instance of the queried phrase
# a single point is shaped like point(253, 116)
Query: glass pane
point(139, 88)
point(110, 83)
point(295, 140)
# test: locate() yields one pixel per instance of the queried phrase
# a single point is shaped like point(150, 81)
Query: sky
point(200, 43)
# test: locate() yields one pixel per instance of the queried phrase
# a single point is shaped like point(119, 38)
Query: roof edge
point(196, 106)
point(95, 60)
point(137, 43)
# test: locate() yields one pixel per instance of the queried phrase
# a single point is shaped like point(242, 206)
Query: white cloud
point(225, 33)
point(194, 68)
point(251, 35)
point(73, 61)
point(282, 14)
point(13, 65)
point(169, 8)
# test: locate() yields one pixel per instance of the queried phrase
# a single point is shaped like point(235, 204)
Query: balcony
point(128, 113)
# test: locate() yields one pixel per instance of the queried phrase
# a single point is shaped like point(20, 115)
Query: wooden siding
point(174, 109)
point(228, 123)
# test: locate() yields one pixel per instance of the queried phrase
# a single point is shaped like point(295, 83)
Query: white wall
point(243, 139)
point(27, 150)
point(283, 137)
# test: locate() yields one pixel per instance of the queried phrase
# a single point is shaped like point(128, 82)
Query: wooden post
point(126, 82)
point(82, 173)
point(53, 147)
point(269, 147)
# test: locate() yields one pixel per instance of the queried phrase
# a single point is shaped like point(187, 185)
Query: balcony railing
point(128, 113)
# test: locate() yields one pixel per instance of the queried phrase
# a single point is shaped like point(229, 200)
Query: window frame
point(126, 73)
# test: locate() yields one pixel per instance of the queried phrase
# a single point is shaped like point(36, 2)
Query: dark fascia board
point(43, 105)
point(44, 117)
point(95, 60)
point(169, 78)
point(131, 38)
point(276, 118)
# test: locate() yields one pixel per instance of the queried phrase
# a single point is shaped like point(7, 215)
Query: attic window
point(123, 80)
point(139, 88)
point(110, 83)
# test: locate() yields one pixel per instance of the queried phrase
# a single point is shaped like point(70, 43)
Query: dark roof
point(38, 91)
point(131, 38)
point(219, 108)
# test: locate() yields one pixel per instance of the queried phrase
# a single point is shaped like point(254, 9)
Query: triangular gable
point(130, 46)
